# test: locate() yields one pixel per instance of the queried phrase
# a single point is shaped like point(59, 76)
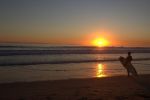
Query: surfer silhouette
point(129, 58)
point(126, 62)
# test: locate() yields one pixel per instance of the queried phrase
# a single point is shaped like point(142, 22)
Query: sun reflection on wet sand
point(100, 71)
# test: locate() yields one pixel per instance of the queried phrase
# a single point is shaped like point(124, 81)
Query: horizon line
point(61, 45)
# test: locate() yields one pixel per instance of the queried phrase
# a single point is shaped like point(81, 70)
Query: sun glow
point(100, 42)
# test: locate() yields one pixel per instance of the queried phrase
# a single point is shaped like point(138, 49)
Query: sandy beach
point(109, 88)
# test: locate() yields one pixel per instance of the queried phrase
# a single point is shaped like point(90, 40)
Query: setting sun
point(100, 42)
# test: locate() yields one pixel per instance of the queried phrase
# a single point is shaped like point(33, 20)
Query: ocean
point(24, 63)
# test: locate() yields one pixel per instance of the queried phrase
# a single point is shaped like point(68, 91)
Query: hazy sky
point(124, 22)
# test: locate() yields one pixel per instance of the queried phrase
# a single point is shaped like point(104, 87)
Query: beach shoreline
point(106, 88)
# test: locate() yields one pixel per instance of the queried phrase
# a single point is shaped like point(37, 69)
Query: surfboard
point(128, 66)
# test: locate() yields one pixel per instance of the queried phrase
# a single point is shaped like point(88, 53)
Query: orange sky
point(86, 40)
point(76, 22)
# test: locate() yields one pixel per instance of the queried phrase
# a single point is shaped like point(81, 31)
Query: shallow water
point(66, 71)
point(37, 67)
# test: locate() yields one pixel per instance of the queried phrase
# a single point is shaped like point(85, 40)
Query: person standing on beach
point(128, 62)
point(130, 67)
point(129, 58)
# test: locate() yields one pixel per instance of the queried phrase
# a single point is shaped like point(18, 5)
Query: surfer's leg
point(135, 72)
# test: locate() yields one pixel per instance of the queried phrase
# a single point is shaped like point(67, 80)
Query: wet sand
point(109, 88)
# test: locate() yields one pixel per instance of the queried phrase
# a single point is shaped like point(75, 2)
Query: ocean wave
point(54, 52)
point(64, 62)
point(10, 50)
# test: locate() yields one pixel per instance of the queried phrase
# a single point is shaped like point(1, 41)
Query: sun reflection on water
point(100, 71)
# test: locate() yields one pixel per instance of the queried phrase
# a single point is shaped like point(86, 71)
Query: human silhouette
point(126, 62)
point(129, 58)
